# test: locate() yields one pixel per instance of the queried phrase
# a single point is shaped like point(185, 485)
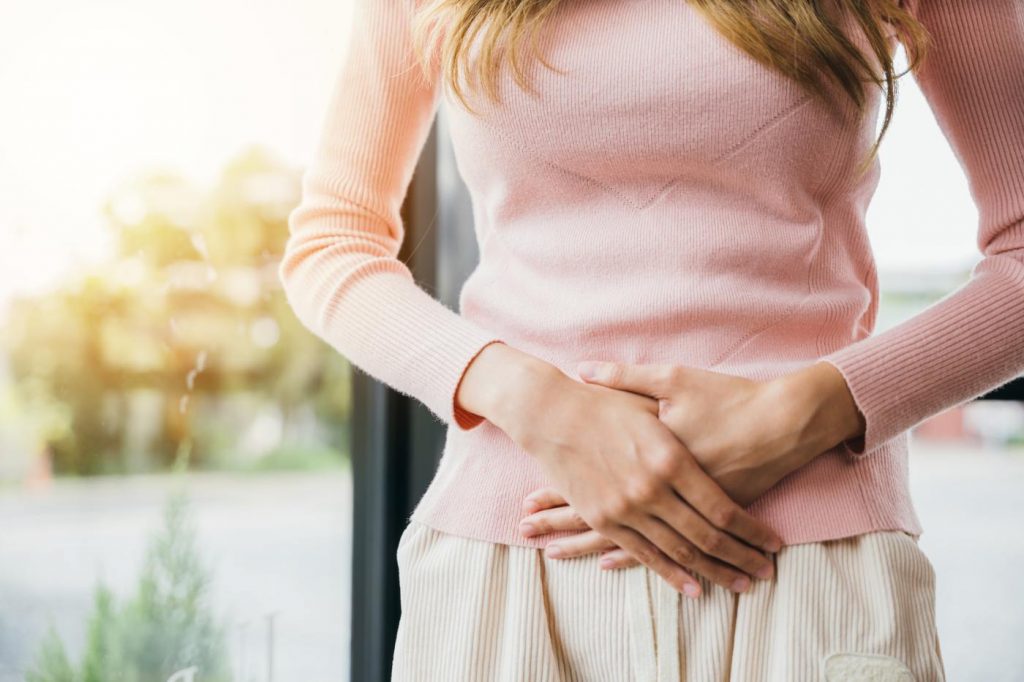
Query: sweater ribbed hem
point(483, 477)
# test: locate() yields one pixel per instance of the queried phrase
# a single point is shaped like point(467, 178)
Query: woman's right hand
point(629, 477)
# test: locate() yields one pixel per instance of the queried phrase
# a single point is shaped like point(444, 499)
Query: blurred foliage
point(52, 662)
point(189, 308)
point(296, 459)
point(165, 628)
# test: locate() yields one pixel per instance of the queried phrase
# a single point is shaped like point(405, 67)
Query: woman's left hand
point(746, 434)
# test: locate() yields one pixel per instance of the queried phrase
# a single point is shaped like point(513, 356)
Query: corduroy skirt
point(854, 609)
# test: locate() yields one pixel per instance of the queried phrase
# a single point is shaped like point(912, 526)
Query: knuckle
point(601, 520)
point(617, 507)
point(644, 555)
point(643, 491)
point(684, 554)
point(665, 463)
point(724, 515)
point(715, 542)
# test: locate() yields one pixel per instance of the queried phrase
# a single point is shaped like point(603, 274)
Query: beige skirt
point(854, 609)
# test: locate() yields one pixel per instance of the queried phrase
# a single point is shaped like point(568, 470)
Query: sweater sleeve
point(971, 340)
point(340, 271)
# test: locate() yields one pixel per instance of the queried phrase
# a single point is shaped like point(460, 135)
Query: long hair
point(798, 38)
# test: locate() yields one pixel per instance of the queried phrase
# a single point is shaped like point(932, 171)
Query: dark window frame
point(396, 443)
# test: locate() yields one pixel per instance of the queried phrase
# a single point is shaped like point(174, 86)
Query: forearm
point(502, 382)
point(819, 409)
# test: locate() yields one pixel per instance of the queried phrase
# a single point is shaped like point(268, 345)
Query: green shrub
point(165, 628)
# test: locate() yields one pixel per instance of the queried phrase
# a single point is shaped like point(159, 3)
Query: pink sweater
point(666, 200)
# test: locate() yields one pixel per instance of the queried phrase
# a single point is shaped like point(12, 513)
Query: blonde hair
point(796, 37)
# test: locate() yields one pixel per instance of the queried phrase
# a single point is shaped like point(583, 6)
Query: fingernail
point(606, 563)
point(589, 369)
point(740, 584)
point(527, 528)
point(773, 546)
point(554, 551)
point(765, 571)
point(529, 505)
point(691, 590)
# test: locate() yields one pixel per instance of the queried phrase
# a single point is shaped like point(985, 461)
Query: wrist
point(501, 381)
point(820, 408)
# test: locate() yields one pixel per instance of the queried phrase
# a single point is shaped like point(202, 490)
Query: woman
point(675, 189)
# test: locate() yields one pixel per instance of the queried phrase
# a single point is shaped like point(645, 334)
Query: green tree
point(102, 661)
point(166, 627)
point(189, 308)
point(52, 664)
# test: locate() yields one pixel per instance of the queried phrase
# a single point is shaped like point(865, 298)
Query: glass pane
point(175, 487)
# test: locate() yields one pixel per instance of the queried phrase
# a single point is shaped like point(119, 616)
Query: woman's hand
point(547, 511)
point(632, 480)
point(746, 435)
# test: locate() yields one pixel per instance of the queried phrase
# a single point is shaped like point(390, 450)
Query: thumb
point(645, 379)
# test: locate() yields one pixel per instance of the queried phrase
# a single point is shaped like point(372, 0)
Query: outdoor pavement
point(280, 544)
